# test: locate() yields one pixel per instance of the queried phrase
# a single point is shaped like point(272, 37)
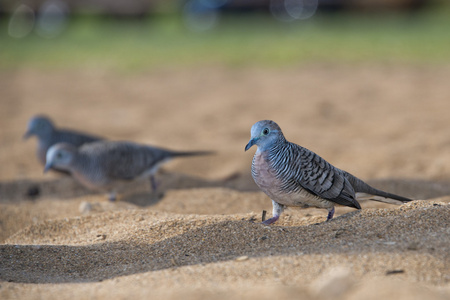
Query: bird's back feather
point(72, 137)
point(300, 168)
point(121, 160)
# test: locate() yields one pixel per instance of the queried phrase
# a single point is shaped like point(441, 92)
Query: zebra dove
point(101, 165)
point(295, 176)
point(48, 135)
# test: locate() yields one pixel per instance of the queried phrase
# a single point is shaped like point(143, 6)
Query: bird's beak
point(26, 135)
point(47, 167)
point(250, 144)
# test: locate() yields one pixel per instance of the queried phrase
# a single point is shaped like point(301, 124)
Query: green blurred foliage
point(238, 40)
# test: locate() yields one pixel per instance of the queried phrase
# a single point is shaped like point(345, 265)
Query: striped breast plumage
point(266, 178)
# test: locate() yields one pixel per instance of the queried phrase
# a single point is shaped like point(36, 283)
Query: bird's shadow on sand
point(140, 194)
point(224, 240)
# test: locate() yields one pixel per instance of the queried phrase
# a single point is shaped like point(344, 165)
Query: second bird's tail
point(190, 153)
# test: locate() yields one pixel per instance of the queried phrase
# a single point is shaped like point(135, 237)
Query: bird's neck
point(278, 144)
point(80, 160)
point(46, 135)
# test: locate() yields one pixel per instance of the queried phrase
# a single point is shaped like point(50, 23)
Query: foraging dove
point(101, 165)
point(48, 135)
point(295, 176)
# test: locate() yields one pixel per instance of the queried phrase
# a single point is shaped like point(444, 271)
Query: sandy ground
point(199, 236)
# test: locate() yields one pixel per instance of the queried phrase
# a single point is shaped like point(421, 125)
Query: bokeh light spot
point(291, 10)
point(52, 18)
point(200, 15)
point(21, 22)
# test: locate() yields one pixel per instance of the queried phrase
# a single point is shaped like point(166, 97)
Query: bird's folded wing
point(324, 180)
point(126, 161)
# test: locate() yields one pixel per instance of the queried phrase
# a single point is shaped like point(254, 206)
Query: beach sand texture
point(199, 237)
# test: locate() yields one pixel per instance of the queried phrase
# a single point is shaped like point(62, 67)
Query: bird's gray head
point(60, 156)
point(264, 134)
point(40, 126)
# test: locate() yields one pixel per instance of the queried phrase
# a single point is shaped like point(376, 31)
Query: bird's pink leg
point(276, 212)
point(153, 183)
point(112, 196)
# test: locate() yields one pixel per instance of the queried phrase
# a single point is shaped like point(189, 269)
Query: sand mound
point(141, 241)
point(199, 236)
point(409, 242)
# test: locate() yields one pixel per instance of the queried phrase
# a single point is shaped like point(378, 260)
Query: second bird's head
point(40, 126)
point(264, 134)
point(60, 156)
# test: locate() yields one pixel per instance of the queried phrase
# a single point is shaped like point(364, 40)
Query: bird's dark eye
point(265, 131)
point(59, 155)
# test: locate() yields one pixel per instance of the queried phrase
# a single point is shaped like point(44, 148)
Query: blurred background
point(363, 83)
point(147, 33)
point(346, 78)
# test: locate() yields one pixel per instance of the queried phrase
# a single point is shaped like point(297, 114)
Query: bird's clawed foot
point(153, 183)
point(271, 220)
point(329, 217)
point(112, 197)
point(330, 214)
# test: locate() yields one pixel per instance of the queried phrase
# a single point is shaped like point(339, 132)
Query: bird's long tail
point(366, 192)
point(190, 153)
